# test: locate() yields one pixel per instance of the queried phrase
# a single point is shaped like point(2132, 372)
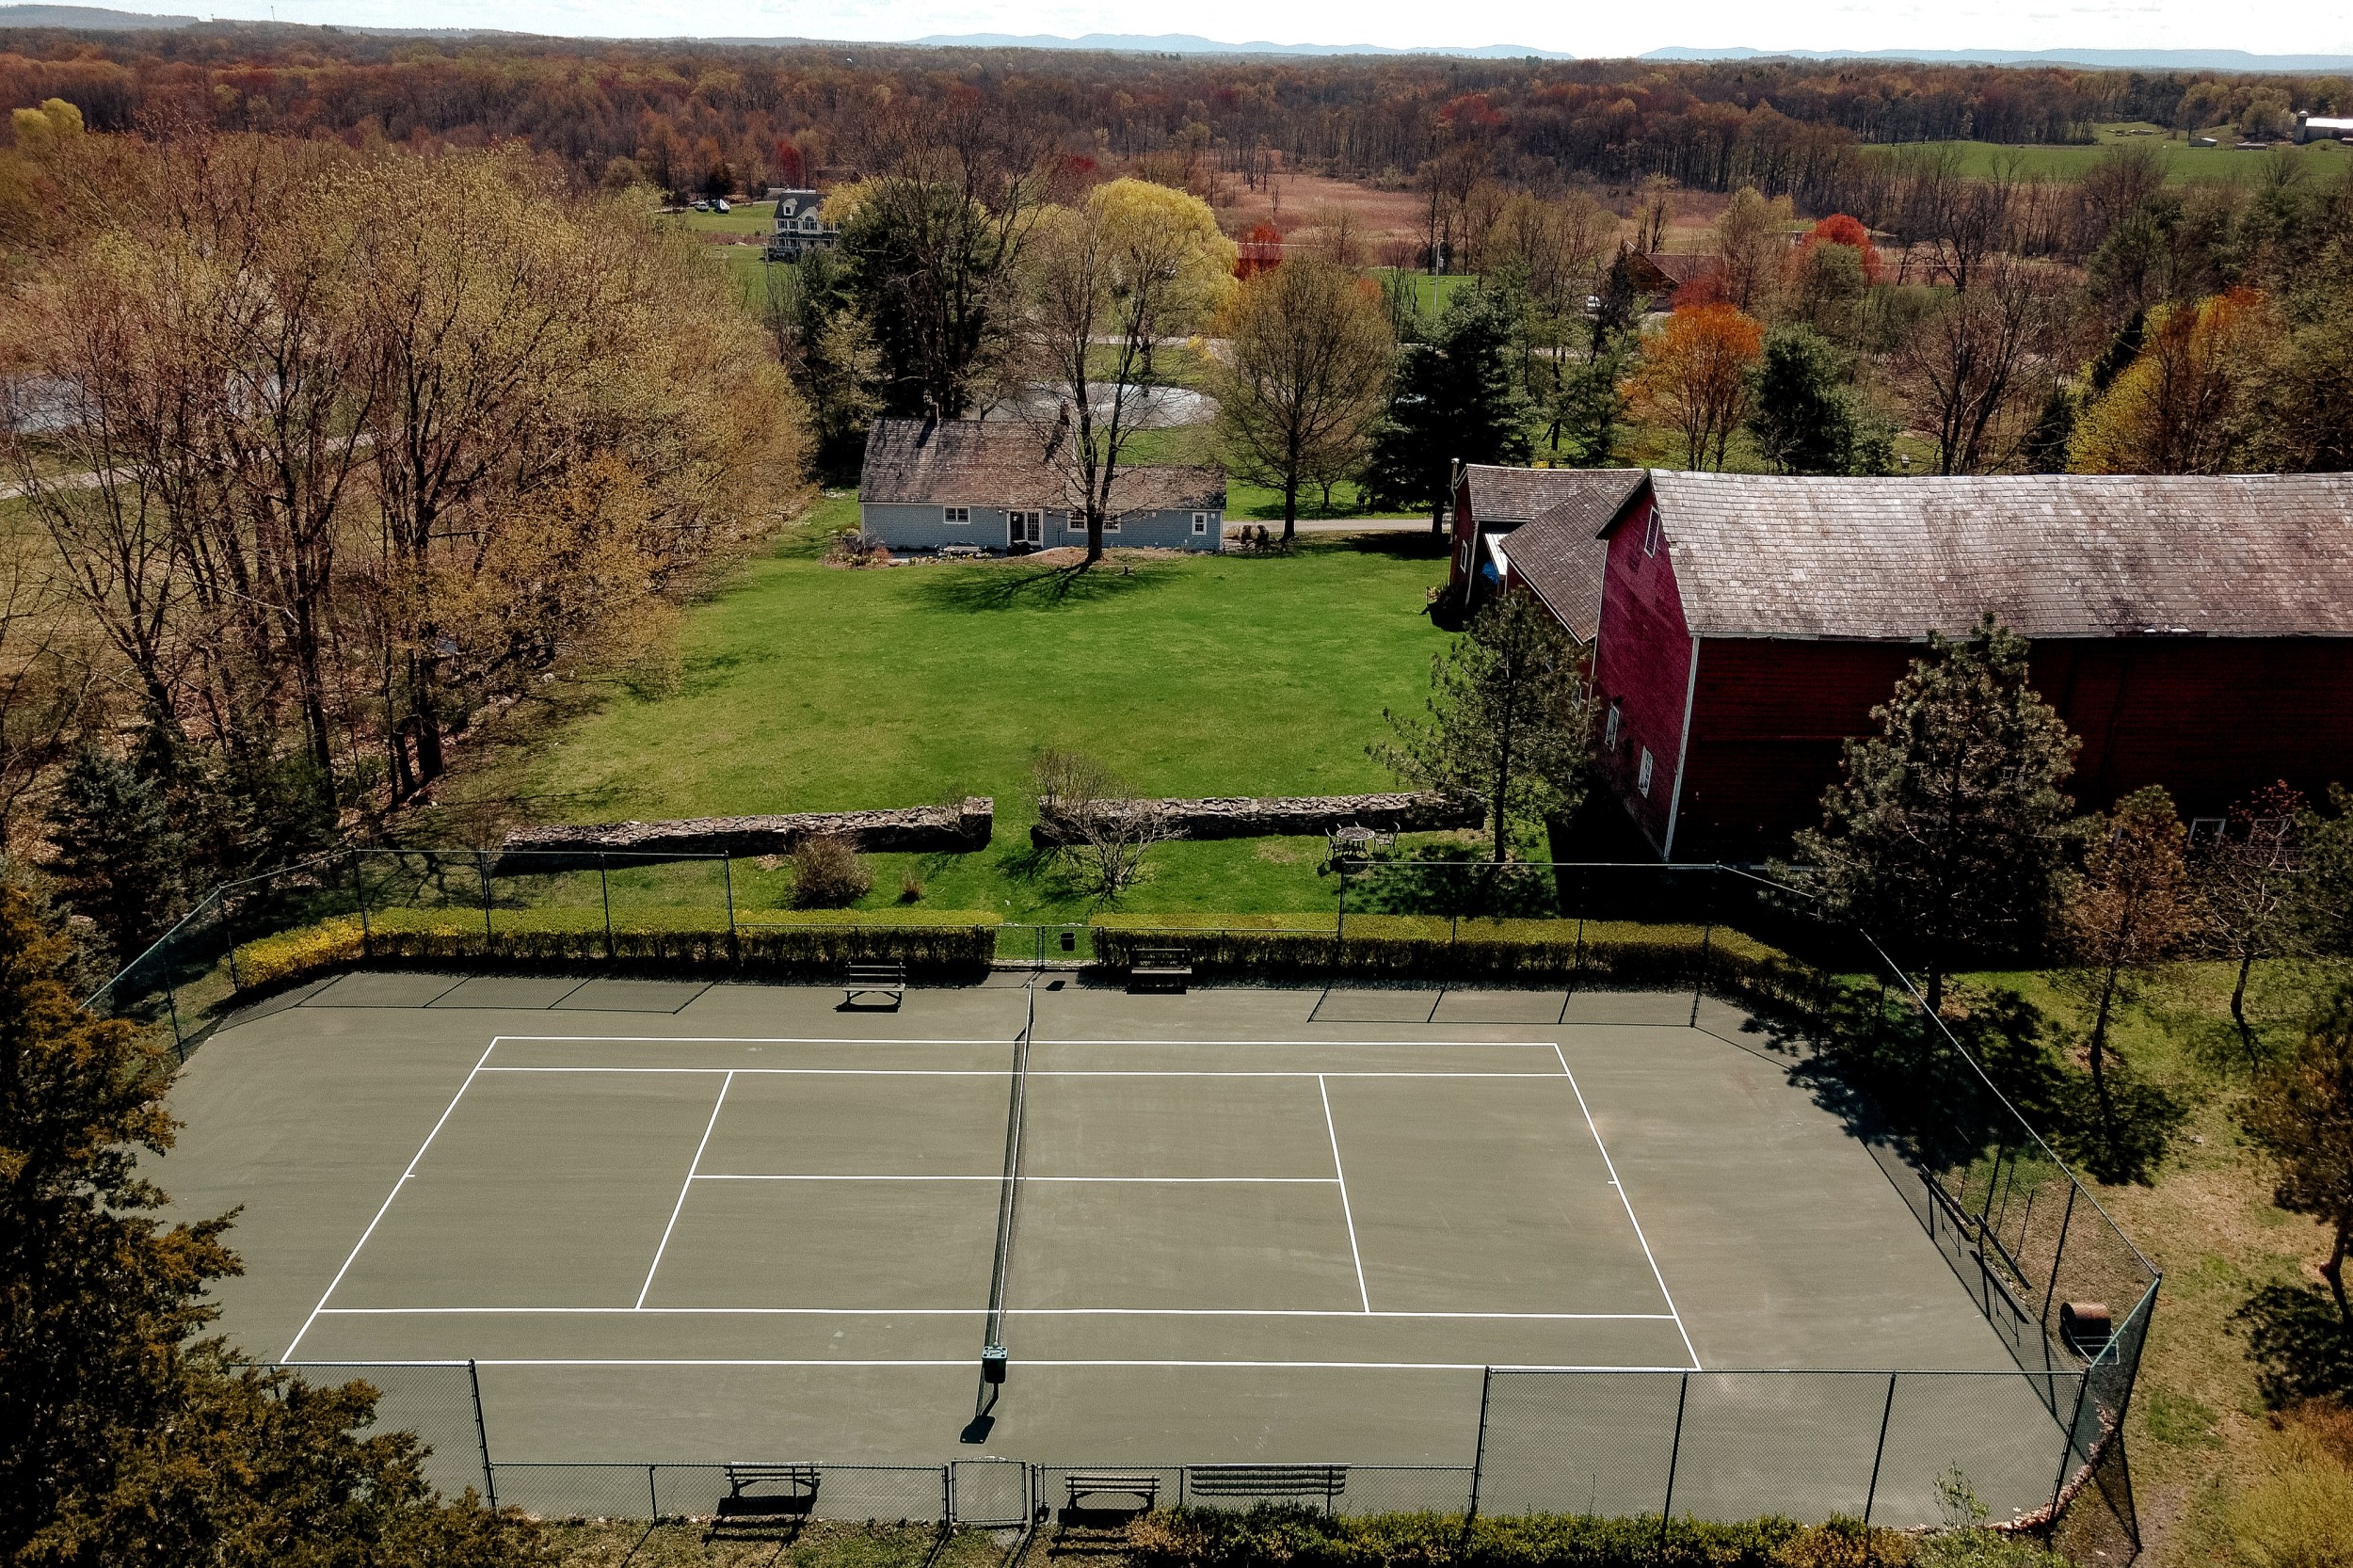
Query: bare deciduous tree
point(1976, 373)
point(1104, 831)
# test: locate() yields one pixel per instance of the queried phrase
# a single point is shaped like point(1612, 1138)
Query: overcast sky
point(1573, 27)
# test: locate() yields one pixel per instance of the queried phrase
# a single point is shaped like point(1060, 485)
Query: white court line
point(1341, 1176)
point(1041, 1072)
point(868, 1040)
point(387, 1204)
point(687, 1187)
point(966, 1362)
point(979, 1312)
point(1149, 1180)
point(1611, 1167)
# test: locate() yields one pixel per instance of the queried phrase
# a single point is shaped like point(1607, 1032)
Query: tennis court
point(681, 1221)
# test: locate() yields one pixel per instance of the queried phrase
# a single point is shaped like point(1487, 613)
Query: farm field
point(1230, 674)
point(2184, 164)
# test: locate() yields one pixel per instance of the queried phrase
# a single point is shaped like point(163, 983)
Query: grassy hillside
point(2182, 162)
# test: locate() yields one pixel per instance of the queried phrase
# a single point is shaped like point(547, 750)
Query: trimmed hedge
point(1620, 953)
point(1306, 1537)
point(933, 943)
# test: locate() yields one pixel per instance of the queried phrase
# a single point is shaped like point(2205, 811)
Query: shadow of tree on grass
point(977, 589)
point(2301, 1341)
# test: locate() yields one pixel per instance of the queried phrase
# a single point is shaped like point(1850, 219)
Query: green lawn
point(1431, 294)
point(2182, 162)
point(747, 218)
point(807, 687)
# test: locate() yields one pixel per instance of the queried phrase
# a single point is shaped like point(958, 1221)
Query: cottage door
point(1026, 528)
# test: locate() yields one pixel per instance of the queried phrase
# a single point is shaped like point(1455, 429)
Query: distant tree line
point(703, 118)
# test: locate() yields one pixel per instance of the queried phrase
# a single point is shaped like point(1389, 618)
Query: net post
point(604, 891)
point(1674, 1456)
point(1878, 1454)
point(482, 1435)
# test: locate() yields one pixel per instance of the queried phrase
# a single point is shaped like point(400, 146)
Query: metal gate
point(989, 1493)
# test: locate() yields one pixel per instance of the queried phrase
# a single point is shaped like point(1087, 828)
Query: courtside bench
point(1265, 1482)
point(1135, 1491)
point(876, 980)
point(767, 1494)
point(1159, 969)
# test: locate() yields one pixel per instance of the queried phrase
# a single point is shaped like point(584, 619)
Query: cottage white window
point(1650, 533)
point(1641, 776)
point(959, 516)
point(1110, 525)
point(1200, 522)
point(809, 223)
point(1609, 727)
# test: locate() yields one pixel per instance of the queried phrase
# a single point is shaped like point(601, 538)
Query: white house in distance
point(985, 484)
point(800, 226)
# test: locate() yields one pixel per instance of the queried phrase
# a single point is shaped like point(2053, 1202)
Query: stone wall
point(1249, 817)
point(917, 829)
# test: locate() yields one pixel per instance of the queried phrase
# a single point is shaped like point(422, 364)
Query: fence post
point(946, 1495)
point(359, 892)
point(604, 890)
point(482, 869)
point(653, 1497)
point(1699, 981)
point(1675, 1457)
point(1479, 1451)
point(1880, 1453)
point(2067, 1443)
point(2058, 1252)
point(482, 1436)
point(726, 878)
point(229, 929)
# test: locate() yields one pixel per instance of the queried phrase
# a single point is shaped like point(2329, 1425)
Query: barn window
point(1650, 533)
point(1642, 774)
point(1609, 727)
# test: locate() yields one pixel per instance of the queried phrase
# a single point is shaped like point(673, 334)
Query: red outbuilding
point(2193, 632)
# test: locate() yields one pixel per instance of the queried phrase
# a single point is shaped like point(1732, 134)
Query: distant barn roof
point(1557, 553)
point(2055, 555)
point(1501, 494)
point(1001, 463)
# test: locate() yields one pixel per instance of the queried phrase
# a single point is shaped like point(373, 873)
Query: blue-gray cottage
point(986, 484)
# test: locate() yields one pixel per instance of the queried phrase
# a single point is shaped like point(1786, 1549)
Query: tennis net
point(1009, 1195)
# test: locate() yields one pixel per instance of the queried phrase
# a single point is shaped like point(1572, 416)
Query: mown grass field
point(804, 686)
point(2184, 164)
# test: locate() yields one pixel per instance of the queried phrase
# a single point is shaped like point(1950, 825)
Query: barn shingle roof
point(1001, 463)
point(1558, 554)
point(2055, 555)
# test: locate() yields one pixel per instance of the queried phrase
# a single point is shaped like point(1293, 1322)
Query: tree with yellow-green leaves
point(1110, 280)
point(2179, 406)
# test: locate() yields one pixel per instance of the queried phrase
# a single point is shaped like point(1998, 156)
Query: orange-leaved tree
point(1838, 228)
point(1695, 376)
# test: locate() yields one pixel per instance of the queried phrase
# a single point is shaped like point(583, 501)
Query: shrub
point(1306, 1537)
point(828, 874)
point(2298, 1518)
point(766, 942)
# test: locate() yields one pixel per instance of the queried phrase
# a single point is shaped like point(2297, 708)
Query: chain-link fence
point(438, 1400)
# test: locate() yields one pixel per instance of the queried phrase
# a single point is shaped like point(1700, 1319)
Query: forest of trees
point(698, 117)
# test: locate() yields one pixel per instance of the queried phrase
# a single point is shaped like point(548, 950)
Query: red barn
point(1536, 528)
point(2194, 633)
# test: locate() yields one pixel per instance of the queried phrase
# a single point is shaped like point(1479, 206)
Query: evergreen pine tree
point(117, 860)
point(1945, 837)
point(1456, 400)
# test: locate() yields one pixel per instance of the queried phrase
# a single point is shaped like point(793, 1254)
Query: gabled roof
point(2054, 555)
point(1002, 463)
point(1504, 496)
point(1559, 555)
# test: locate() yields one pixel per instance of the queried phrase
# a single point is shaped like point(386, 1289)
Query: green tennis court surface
point(681, 1222)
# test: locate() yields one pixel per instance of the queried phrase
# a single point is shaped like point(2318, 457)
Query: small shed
point(986, 485)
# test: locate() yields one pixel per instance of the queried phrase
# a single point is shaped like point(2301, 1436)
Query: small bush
point(910, 889)
point(828, 874)
point(2301, 1517)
